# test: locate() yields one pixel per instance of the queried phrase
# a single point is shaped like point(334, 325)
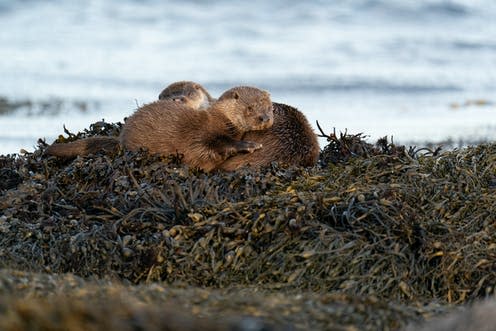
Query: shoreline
point(374, 237)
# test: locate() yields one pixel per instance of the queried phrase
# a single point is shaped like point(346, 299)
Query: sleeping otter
point(189, 93)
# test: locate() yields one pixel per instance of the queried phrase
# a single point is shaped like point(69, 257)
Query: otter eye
point(250, 108)
point(179, 99)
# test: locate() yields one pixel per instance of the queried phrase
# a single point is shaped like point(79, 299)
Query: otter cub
point(188, 93)
point(291, 140)
point(205, 138)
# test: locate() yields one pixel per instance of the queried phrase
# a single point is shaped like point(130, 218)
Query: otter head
point(190, 94)
point(248, 108)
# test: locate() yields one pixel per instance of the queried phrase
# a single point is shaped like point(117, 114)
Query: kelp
point(401, 226)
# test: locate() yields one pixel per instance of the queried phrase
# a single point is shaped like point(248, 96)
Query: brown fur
point(90, 145)
point(291, 141)
point(188, 93)
point(204, 138)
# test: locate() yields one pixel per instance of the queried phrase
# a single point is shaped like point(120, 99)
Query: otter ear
point(162, 95)
point(235, 95)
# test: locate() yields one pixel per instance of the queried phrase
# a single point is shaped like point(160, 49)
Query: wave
point(310, 86)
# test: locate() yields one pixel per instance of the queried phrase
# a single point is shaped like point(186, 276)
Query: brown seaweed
point(380, 225)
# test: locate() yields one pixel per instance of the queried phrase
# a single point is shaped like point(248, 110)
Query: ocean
point(418, 71)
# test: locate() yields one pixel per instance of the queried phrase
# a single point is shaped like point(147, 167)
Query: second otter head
point(190, 94)
point(248, 108)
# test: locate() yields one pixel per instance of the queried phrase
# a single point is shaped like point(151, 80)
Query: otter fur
point(188, 93)
point(290, 141)
point(204, 138)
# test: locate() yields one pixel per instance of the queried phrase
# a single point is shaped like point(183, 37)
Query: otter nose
point(264, 118)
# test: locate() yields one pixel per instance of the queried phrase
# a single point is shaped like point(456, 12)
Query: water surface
point(416, 70)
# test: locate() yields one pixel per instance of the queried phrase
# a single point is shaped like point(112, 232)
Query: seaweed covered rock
point(477, 317)
point(402, 225)
point(68, 302)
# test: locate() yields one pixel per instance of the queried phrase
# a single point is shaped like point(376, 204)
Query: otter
point(204, 138)
point(188, 93)
point(291, 140)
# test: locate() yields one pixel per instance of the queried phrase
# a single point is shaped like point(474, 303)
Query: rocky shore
point(374, 237)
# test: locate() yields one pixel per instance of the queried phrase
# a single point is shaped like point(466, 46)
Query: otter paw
point(248, 146)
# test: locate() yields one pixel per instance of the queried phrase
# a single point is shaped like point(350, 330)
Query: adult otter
point(189, 93)
point(205, 138)
point(291, 140)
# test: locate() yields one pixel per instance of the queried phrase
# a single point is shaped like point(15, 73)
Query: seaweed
point(366, 237)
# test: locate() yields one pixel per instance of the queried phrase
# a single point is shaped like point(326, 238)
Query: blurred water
point(390, 67)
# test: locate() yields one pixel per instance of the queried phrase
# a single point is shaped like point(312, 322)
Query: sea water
point(422, 70)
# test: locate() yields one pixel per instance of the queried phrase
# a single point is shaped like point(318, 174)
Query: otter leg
point(238, 147)
point(244, 146)
point(228, 148)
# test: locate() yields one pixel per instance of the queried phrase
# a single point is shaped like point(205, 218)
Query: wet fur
point(291, 141)
point(205, 139)
point(85, 146)
point(189, 93)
